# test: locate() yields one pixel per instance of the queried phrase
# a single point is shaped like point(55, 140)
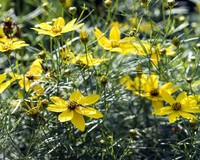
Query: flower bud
point(107, 3)
point(171, 3)
point(102, 141)
point(104, 79)
point(72, 10)
point(189, 79)
point(42, 55)
point(132, 132)
point(83, 36)
point(175, 41)
point(198, 46)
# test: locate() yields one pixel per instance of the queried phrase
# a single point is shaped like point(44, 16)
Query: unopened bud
point(198, 46)
point(189, 79)
point(42, 55)
point(107, 3)
point(171, 3)
point(83, 36)
point(104, 79)
point(72, 10)
point(132, 132)
point(175, 41)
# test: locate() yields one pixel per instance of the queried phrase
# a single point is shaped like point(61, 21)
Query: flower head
point(182, 106)
point(11, 45)
point(73, 109)
point(4, 85)
point(57, 28)
point(114, 44)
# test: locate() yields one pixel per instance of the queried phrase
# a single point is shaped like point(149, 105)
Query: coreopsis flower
point(182, 106)
point(10, 45)
point(74, 109)
point(114, 43)
point(135, 85)
point(30, 108)
point(4, 85)
point(58, 27)
point(87, 60)
point(154, 53)
point(31, 76)
point(152, 90)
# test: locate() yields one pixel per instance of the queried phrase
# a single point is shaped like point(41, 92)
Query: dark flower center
point(176, 106)
point(72, 105)
point(154, 92)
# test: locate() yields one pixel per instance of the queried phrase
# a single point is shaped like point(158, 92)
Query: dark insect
point(10, 28)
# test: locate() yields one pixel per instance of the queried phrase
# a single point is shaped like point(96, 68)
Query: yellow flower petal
point(115, 33)
point(78, 121)
point(66, 116)
point(56, 108)
point(89, 99)
point(45, 26)
point(173, 117)
point(60, 22)
point(157, 105)
point(58, 101)
point(167, 97)
point(186, 115)
point(2, 77)
point(75, 96)
point(89, 112)
point(102, 40)
point(181, 96)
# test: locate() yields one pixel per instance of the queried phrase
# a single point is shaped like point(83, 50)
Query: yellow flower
point(30, 109)
point(154, 53)
point(183, 106)
point(31, 76)
point(136, 85)
point(4, 85)
point(58, 27)
point(114, 44)
point(73, 109)
point(88, 60)
point(11, 45)
point(152, 91)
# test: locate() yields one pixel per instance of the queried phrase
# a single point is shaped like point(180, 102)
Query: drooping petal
point(56, 108)
point(76, 96)
point(58, 101)
point(167, 97)
point(181, 96)
point(78, 121)
point(186, 115)
point(89, 112)
point(173, 117)
point(66, 116)
point(115, 33)
point(89, 99)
